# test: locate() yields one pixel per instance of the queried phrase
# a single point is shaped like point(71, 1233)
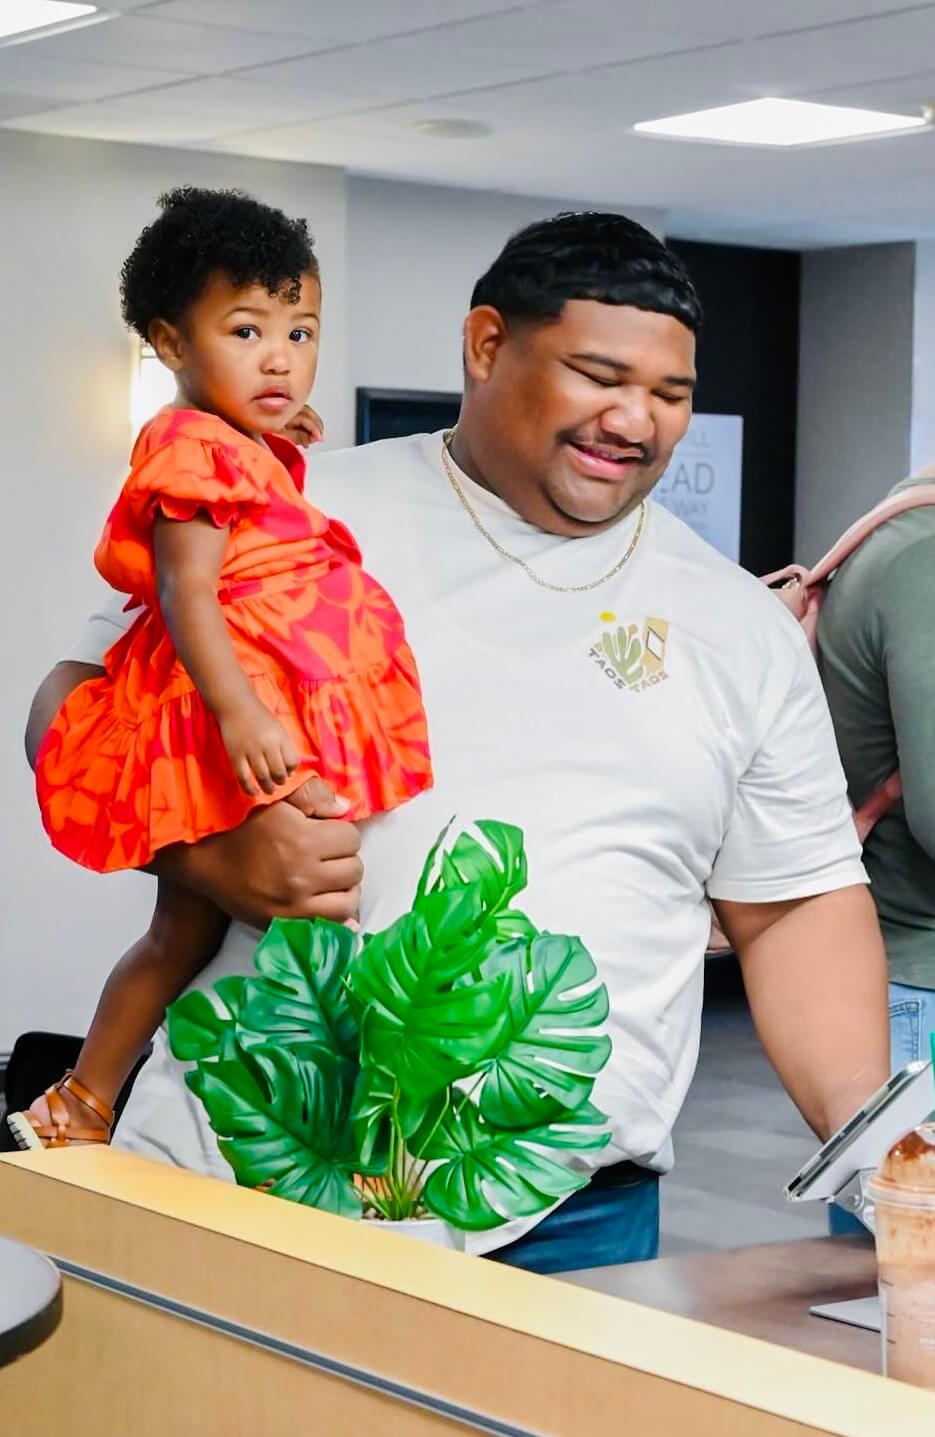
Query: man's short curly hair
point(586, 255)
point(201, 233)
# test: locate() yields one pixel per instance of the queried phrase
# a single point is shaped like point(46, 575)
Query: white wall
point(855, 386)
point(922, 441)
point(72, 211)
point(415, 252)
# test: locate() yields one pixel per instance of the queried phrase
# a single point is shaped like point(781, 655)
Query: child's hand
point(259, 748)
point(306, 428)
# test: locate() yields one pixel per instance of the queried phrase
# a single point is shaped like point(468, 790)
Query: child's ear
point(166, 340)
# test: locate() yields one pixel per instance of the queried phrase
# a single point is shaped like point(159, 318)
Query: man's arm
point(790, 891)
point(49, 697)
point(904, 610)
point(815, 974)
point(277, 864)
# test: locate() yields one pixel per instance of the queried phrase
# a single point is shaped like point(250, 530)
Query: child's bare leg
point(184, 935)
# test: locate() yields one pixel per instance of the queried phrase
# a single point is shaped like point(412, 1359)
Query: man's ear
point(166, 340)
point(484, 336)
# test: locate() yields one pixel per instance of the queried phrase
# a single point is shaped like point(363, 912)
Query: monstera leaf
point(552, 1050)
point(281, 1117)
point(416, 1024)
point(488, 1173)
point(300, 999)
point(201, 1029)
point(498, 866)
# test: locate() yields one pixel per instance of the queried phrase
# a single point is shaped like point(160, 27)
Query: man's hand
point(306, 428)
point(277, 863)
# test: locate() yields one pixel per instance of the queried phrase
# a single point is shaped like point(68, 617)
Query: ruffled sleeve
point(188, 477)
point(178, 475)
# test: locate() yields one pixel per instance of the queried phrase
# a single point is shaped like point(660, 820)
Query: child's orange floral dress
point(135, 761)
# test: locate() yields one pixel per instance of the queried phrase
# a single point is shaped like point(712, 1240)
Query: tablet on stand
point(905, 1100)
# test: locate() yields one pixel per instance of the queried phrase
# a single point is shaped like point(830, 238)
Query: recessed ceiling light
point(19, 16)
point(452, 129)
point(781, 122)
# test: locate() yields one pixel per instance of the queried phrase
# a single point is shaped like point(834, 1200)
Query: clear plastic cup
point(903, 1194)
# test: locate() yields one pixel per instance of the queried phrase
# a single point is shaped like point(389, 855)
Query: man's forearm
point(50, 695)
point(817, 985)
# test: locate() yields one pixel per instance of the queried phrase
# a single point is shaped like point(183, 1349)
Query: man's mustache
point(613, 445)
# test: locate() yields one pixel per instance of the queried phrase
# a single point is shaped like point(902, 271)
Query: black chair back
point(37, 1061)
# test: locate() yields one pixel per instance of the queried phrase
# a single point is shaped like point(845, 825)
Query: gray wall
point(855, 386)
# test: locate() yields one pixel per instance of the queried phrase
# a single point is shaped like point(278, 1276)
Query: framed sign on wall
point(703, 483)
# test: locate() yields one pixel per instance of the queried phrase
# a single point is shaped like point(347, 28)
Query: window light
point(151, 385)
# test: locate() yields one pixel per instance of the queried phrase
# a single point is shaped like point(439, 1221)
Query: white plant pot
point(424, 1229)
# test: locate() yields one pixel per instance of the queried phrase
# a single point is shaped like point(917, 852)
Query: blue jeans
point(595, 1227)
point(912, 1020)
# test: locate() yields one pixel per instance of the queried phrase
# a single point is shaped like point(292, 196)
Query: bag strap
point(919, 496)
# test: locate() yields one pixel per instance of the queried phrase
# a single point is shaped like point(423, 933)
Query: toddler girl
point(263, 653)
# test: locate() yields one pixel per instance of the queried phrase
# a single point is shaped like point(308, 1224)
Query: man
point(646, 712)
point(878, 666)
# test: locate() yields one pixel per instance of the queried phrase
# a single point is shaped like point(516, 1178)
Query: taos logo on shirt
point(632, 657)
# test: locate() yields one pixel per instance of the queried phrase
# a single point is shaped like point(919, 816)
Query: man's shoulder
point(355, 484)
point(365, 461)
point(677, 541)
point(735, 600)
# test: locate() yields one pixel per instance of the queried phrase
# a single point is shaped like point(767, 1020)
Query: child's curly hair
point(206, 232)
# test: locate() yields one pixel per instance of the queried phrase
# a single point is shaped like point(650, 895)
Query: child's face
point(245, 355)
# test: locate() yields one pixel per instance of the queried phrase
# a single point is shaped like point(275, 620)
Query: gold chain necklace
point(514, 558)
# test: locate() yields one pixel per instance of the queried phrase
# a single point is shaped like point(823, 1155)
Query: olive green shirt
point(876, 640)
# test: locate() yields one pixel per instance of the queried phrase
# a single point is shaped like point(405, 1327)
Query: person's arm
point(815, 974)
point(274, 864)
point(188, 559)
point(790, 892)
point(49, 697)
point(904, 603)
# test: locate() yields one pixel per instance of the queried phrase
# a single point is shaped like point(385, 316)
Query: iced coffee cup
point(903, 1194)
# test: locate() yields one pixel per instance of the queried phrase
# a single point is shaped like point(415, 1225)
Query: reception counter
point(192, 1306)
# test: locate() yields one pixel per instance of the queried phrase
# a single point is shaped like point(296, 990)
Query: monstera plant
point(442, 1066)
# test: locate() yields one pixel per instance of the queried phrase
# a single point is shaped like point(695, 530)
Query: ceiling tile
point(138, 119)
point(144, 40)
point(385, 72)
point(229, 101)
point(571, 35)
point(14, 106)
point(905, 92)
point(750, 19)
point(860, 50)
point(330, 23)
point(23, 67)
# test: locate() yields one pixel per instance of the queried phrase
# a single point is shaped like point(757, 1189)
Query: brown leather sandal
point(30, 1133)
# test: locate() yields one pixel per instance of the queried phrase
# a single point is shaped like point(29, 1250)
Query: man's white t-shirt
point(660, 739)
